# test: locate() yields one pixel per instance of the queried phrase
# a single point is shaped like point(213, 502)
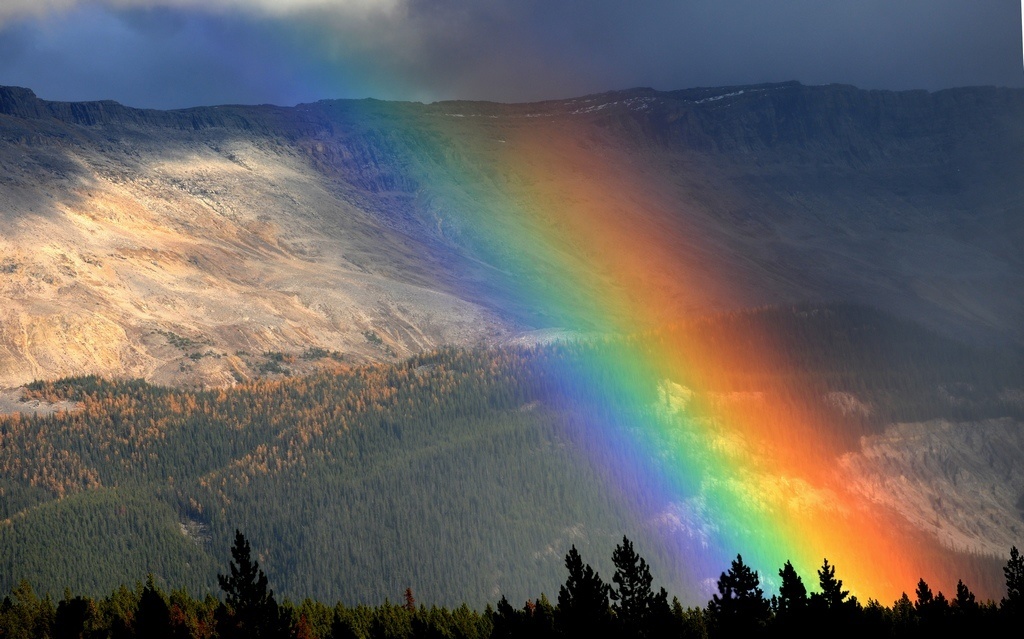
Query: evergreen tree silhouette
point(965, 601)
point(832, 593)
point(965, 611)
point(1013, 604)
point(342, 628)
point(508, 623)
point(663, 622)
point(632, 596)
point(26, 614)
point(965, 598)
point(153, 615)
point(791, 605)
point(739, 609)
point(792, 592)
point(583, 600)
point(830, 607)
point(925, 598)
point(904, 619)
point(73, 613)
point(931, 609)
point(252, 612)
point(541, 621)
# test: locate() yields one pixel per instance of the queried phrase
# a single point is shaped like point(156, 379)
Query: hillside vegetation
point(464, 473)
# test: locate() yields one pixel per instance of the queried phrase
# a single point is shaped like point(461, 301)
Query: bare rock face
point(202, 245)
point(960, 481)
point(137, 250)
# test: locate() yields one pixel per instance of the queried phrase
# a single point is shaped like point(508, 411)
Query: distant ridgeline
point(467, 474)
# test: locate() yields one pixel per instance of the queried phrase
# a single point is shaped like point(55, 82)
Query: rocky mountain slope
point(194, 246)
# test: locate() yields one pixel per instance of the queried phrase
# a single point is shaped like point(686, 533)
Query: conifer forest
point(444, 495)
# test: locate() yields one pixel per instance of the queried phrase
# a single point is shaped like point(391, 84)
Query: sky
point(179, 53)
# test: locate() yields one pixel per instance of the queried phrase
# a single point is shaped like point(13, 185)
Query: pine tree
point(542, 620)
point(965, 611)
point(153, 615)
point(739, 608)
point(583, 600)
point(832, 592)
point(965, 601)
point(792, 592)
point(252, 612)
point(26, 614)
point(73, 613)
point(930, 608)
point(663, 622)
point(342, 627)
point(925, 598)
point(508, 622)
point(632, 598)
point(1013, 603)
point(791, 606)
point(903, 617)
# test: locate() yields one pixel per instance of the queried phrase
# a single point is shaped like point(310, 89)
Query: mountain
point(185, 246)
point(432, 345)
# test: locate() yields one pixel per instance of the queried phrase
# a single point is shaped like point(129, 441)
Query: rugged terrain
point(206, 247)
point(184, 246)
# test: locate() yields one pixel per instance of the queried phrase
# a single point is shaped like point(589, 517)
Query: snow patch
point(720, 97)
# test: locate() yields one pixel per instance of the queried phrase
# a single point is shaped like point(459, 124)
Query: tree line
point(586, 606)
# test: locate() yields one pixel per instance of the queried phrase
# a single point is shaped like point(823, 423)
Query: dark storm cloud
point(551, 48)
point(181, 52)
point(152, 57)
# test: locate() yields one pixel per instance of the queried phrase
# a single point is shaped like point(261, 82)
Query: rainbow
point(720, 475)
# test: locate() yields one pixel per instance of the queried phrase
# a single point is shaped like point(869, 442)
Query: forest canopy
point(360, 481)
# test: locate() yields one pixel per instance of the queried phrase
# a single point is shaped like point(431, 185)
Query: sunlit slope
point(185, 256)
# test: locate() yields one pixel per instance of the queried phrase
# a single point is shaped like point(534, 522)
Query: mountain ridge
point(769, 193)
point(24, 102)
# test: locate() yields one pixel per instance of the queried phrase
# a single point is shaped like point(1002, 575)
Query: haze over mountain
point(133, 239)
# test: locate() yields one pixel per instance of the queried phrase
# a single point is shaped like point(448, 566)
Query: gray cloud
point(180, 52)
point(15, 9)
point(156, 59)
point(551, 48)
